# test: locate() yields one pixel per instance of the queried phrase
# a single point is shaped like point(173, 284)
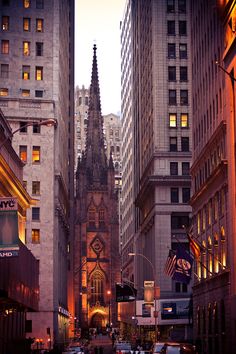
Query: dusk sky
point(98, 21)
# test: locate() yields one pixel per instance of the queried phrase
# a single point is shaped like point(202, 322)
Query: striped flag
point(170, 263)
point(194, 246)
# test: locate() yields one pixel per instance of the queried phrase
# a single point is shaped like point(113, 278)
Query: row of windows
point(183, 73)
point(39, 4)
point(171, 6)
point(171, 28)
point(184, 121)
point(211, 212)
point(24, 92)
point(174, 168)
point(39, 24)
point(173, 97)
point(174, 195)
point(184, 143)
point(35, 153)
point(183, 54)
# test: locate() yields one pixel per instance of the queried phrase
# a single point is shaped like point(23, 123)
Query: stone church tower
point(96, 249)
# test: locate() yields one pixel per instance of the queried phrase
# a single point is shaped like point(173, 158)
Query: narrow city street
point(102, 344)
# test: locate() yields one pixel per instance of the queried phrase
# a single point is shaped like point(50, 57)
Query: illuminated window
point(223, 248)
point(39, 25)
point(216, 253)
point(36, 188)
point(26, 48)
point(26, 4)
point(38, 73)
point(198, 222)
point(23, 153)
point(35, 214)
point(172, 120)
point(35, 236)
point(204, 219)
point(36, 154)
point(3, 92)
point(5, 47)
point(4, 71)
point(25, 72)
point(204, 260)
point(25, 93)
point(97, 288)
point(5, 23)
point(26, 24)
point(184, 120)
point(210, 256)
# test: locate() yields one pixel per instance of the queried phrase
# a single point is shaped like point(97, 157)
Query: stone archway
point(97, 321)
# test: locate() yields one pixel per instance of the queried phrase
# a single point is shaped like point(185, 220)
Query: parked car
point(178, 348)
point(122, 347)
point(157, 347)
point(76, 349)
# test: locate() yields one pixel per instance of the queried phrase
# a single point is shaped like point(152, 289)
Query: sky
point(98, 22)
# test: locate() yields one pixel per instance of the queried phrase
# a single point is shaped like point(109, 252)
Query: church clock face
point(97, 246)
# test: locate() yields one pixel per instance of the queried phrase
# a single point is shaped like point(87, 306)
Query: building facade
point(213, 173)
point(97, 263)
point(156, 107)
point(19, 276)
point(36, 83)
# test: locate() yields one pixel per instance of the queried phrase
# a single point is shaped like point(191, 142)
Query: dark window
point(170, 5)
point(171, 73)
point(39, 4)
point(182, 6)
point(86, 100)
point(183, 97)
point(185, 168)
point(38, 93)
point(182, 28)
point(36, 129)
point(36, 188)
point(39, 49)
point(4, 71)
point(183, 73)
point(171, 27)
point(183, 51)
point(173, 168)
point(172, 97)
point(179, 220)
point(23, 127)
point(174, 195)
point(5, 2)
point(173, 143)
point(185, 195)
point(5, 23)
point(177, 287)
point(171, 50)
point(36, 214)
point(185, 144)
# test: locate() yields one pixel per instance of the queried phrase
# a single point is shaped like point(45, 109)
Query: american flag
point(170, 263)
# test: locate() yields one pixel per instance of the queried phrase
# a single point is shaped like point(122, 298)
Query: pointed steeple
point(96, 161)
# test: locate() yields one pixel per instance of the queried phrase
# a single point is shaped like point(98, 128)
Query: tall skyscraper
point(36, 83)
point(156, 107)
point(97, 262)
point(213, 173)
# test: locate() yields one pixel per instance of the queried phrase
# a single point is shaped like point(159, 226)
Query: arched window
point(97, 288)
point(216, 253)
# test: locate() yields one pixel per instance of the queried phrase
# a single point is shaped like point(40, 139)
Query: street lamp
point(46, 122)
point(154, 280)
point(109, 309)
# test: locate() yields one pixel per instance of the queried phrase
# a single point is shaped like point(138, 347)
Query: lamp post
point(46, 122)
point(109, 309)
point(154, 280)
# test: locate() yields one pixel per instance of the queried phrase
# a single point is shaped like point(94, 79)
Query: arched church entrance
point(97, 321)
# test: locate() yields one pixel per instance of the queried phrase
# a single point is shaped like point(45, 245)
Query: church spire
point(96, 161)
